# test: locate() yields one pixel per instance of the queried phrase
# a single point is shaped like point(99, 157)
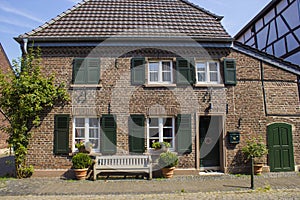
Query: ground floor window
point(87, 130)
point(161, 129)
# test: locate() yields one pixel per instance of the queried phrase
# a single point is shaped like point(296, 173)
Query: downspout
point(263, 86)
point(25, 41)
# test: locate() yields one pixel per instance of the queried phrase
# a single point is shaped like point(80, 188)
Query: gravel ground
point(268, 186)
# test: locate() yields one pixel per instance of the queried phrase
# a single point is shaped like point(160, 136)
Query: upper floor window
point(87, 130)
point(160, 72)
point(208, 72)
point(86, 71)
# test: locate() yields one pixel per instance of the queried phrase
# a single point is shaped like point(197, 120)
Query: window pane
point(213, 77)
point(166, 76)
point(153, 76)
point(153, 122)
point(79, 132)
point(213, 66)
point(201, 77)
point(201, 67)
point(153, 67)
point(166, 66)
point(154, 132)
point(93, 122)
point(79, 122)
point(95, 143)
point(93, 133)
point(168, 122)
point(167, 132)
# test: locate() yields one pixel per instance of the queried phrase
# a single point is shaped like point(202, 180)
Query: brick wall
point(245, 102)
point(5, 69)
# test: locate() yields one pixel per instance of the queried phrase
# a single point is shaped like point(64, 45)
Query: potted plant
point(168, 161)
point(84, 147)
point(164, 146)
point(81, 163)
point(255, 149)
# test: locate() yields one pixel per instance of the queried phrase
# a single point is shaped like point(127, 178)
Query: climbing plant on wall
point(26, 96)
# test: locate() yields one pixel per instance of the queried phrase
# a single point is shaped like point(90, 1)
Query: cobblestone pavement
point(268, 186)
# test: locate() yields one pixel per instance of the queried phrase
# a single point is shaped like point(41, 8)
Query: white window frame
point(207, 72)
point(160, 72)
point(160, 129)
point(86, 132)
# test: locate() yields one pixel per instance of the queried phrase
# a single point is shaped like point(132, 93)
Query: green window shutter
point(229, 72)
point(93, 70)
point(185, 71)
point(108, 134)
point(79, 71)
point(184, 133)
point(61, 134)
point(136, 127)
point(137, 71)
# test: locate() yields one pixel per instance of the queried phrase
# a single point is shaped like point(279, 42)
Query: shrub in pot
point(168, 161)
point(164, 146)
point(81, 162)
point(255, 149)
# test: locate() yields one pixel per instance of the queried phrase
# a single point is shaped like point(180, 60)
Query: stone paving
point(268, 186)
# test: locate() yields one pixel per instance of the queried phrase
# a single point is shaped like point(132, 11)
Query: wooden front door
point(280, 143)
point(210, 131)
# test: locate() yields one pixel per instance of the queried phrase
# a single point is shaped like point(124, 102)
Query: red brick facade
point(264, 94)
point(5, 69)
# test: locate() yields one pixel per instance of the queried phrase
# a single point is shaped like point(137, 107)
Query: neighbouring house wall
point(5, 69)
point(245, 101)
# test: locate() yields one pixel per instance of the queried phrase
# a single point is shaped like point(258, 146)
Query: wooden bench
point(123, 164)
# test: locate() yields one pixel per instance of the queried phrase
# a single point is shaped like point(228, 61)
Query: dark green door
point(280, 143)
point(209, 141)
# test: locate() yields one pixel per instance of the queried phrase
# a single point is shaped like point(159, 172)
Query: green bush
point(81, 161)
point(255, 148)
point(168, 159)
point(158, 145)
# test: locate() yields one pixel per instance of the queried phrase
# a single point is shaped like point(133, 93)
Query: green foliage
point(81, 161)
point(255, 148)
point(168, 159)
point(158, 145)
point(26, 97)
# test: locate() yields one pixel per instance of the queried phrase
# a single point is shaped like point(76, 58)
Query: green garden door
point(280, 143)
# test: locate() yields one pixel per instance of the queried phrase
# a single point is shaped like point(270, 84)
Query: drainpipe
point(25, 41)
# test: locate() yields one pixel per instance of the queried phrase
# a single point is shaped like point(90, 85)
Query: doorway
point(210, 132)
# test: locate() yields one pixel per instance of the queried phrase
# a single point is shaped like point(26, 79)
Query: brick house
point(145, 71)
point(5, 68)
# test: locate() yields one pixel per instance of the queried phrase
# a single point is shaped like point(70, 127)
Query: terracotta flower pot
point(258, 168)
point(168, 172)
point(80, 173)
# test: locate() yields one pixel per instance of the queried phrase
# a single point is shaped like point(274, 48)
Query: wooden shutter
point(229, 72)
point(61, 134)
point(185, 71)
point(184, 133)
point(108, 134)
point(137, 71)
point(93, 70)
point(136, 127)
point(79, 71)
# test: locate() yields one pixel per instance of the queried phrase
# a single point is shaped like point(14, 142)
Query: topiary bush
point(81, 161)
point(168, 160)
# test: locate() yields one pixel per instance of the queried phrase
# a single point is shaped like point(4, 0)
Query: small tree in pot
point(255, 149)
point(81, 163)
point(168, 161)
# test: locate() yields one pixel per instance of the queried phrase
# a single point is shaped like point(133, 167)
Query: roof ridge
point(53, 20)
point(218, 17)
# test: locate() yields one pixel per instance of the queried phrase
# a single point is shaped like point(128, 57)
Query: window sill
point(86, 85)
point(209, 85)
point(159, 85)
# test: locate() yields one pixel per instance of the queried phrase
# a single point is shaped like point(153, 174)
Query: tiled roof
point(132, 18)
